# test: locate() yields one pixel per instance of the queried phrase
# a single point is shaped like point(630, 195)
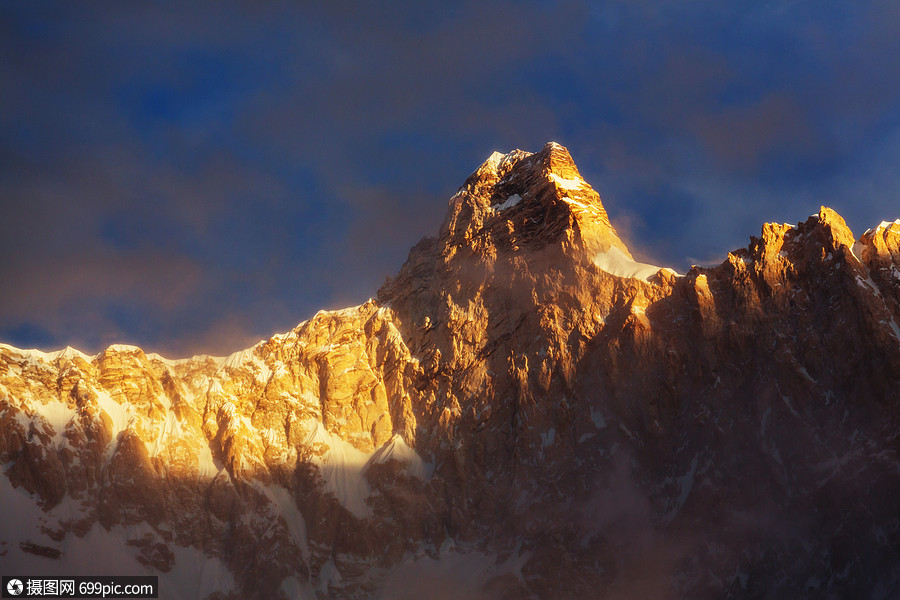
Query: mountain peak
point(519, 200)
point(554, 156)
point(498, 163)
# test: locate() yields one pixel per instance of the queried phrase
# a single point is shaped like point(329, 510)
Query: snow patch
point(397, 449)
point(119, 414)
point(241, 357)
point(806, 374)
point(790, 407)
point(868, 283)
point(580, 205)
point(884, 225)
point(895, 330)
point(170, 428)
point(123, 348)
point(765, 420)
point(567, 184)
point(287, 508)
point(194, 575)
point(342, 469)
point(32, 355)
point(685, 485)
point(508, 203)
point(298, 590)
point(329, 576)
point(498, 159)
point(597, 418)
point(615, 262)
point(206, 464)
point(57, 414)
point(197, 358)
point(856, 249)
point(548, 438)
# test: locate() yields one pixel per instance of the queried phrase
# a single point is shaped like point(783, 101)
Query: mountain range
point(523, 411)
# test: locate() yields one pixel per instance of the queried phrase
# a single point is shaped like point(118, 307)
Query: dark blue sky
point(193, 179)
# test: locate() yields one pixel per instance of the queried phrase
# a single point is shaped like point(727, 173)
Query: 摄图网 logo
point(14, 587)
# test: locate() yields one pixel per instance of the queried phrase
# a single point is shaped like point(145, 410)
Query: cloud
point(291, 164)
point(743, 136)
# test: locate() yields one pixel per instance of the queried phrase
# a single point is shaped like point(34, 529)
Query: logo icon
point(14, 587)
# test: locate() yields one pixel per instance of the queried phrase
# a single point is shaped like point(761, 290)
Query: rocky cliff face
point(523, 411)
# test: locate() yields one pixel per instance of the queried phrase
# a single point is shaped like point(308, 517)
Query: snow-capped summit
point(521, 200)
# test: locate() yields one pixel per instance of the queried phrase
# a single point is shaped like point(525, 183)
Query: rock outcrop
point(523, 403)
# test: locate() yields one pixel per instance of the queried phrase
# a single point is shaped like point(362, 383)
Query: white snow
point(248, 358)
point(57, 414)
point(236, 359)
point(119, 414)
point(580, 205)
point(806, 374)
point(869, 283)
point(884, 225)
point(548, 438)
point(297, 590)
point(615, 262)
point(567, 184)
point(765, 419)
point(685, 485)
point(493, 161)
point(123, 348)
point(894, 328)
point(508, 203)
point(284, 503)
point(205, 462)
point(342, 469)
point(48, 357)
point(329, 576)
point(215, 387)
point(498, 159)
point(23, 520)
point(397, 449)
point(790, 407)
point(171, 428)
point(174, 362)
point(194, 575)
point(153, 356)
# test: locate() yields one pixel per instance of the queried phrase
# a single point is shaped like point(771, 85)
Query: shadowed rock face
point(523, 411)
